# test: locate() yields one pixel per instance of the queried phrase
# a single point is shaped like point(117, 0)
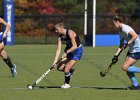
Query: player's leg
point(130, 70)
point(74, 57)
point(62, 64)
point(1, 46)
point(134, 81)
point(67, 69)
point(129, 61)
point(8, 61)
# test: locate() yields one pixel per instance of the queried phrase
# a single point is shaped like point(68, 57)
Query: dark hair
point(122, 19)
point(118, 18)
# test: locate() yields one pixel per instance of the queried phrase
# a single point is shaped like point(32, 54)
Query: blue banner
point(8, 15)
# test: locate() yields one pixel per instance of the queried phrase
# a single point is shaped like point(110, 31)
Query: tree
point(45, 7)
point(69, 6)
point(0, 7)
point(34, 7)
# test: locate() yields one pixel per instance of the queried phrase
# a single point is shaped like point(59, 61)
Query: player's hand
point(115, 59)
point(54, 64)
point(125, 45)
point(64, 55)
point(2, 38)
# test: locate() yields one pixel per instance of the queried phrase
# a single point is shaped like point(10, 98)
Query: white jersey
point(133, 47)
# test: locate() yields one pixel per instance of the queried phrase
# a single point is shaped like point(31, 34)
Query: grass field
point(33, 60)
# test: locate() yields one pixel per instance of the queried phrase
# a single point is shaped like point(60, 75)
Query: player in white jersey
point(128, 37)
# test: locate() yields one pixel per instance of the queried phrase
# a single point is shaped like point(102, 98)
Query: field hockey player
point(72, 53)
point(133, 42)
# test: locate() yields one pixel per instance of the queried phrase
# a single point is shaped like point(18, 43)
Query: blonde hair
point(60, 23)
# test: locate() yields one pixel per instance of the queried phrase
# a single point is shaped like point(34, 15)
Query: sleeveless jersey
point(67, 40)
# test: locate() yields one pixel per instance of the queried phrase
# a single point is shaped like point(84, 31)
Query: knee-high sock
point(132, 77)
point(67, 77)
point(8, 62)
point(133, 69)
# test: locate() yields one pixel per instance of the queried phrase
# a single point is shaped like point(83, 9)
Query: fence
point(32, 29)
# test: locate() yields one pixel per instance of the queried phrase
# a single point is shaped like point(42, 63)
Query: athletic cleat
point(72, 71)
point(65, 86)
point(13, 71)
point(133, 87)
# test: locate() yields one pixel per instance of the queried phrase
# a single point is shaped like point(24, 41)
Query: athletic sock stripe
point(67, 74)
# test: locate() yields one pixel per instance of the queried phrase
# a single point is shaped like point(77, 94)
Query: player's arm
point(134, 37)
point(73, 41)
point(120, 46)
point(58, 51)
point(7, 27)
point(115, 57)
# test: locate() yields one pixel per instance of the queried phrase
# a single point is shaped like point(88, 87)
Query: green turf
point(33, 60)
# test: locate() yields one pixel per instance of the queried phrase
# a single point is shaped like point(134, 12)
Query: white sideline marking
point(16, 88)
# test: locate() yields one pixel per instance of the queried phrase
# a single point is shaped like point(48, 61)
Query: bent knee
point(124, 68)
point(67, 70)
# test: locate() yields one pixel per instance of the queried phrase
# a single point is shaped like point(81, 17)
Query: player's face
point(58, 30)
point(116, 24)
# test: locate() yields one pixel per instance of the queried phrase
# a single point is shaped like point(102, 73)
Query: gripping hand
point(125, 45)
point(115, 59)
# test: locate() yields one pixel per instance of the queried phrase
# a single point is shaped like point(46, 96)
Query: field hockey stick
point(102, 74)
point(43, 75)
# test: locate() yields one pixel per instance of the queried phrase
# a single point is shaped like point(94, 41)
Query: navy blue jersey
point(76, 54)
point(67, 40)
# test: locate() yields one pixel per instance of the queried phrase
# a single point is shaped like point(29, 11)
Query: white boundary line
point(14, 88)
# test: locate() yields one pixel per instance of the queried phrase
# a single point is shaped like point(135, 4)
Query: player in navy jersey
point(133, 42)
point(72, 52)
point(3, 53)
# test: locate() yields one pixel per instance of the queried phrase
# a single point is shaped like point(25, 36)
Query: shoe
point(72, 71)
point(13, 71)
point(65, 86)
point(133, 87)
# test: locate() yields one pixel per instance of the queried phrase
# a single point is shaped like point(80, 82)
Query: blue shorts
point(135, 55)
point(76, 54)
